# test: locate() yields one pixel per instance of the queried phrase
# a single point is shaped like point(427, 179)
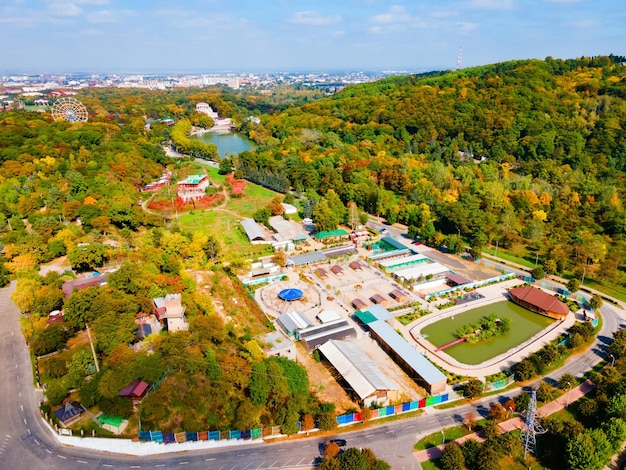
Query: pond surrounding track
point(525, 324)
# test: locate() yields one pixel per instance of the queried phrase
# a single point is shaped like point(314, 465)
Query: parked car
point(339, 442)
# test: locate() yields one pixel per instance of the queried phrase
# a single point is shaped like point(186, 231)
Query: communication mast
point(458, 59)
point(531, 426)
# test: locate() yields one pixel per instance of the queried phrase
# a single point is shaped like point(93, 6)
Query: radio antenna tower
point(531, 426)
point(458, 59)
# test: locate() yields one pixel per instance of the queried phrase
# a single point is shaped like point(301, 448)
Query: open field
point(225, 227)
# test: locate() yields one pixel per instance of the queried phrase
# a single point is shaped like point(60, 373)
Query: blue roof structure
point(416, 361)
point(290, 294)
point(380, 312)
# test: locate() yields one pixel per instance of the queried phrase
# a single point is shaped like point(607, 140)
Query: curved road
point(27, 442)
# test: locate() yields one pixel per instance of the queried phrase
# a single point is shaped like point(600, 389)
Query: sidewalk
point(515, 423)
point(492, 293)
point(551, 277)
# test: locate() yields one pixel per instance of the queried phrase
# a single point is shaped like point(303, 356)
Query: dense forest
point(72, 189)
point(530, 152)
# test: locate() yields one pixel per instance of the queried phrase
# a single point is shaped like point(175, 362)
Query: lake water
point(227, 143)
point(525, 324)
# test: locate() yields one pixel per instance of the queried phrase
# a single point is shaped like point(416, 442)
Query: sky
point(217, 36)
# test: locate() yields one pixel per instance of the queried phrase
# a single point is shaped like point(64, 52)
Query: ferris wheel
point(70, 110)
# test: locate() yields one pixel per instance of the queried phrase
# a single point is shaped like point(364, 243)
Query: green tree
point(589, 450)
point(615, 430)
point(327, 421)
point(324, 218)
point(522, 401)
point(488, 459)
point(51, 339)
point(211, 248)
point(471, 450)
point(595, 302)
point(452, 457)
point(87, 258)
point(617, 406)
point(55, 367)
point(573, 285)
point(353, 459)
point(538, 273)
point(566, 381)
point(79, 368)
point(56, 391)
point(113, 328)
point(473, 388)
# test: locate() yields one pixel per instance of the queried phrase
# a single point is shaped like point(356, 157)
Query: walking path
point(492, 293)
point(515, 423)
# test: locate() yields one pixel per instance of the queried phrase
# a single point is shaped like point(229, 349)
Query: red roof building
point(77, 284)
point(539, 301)
point(136, 391)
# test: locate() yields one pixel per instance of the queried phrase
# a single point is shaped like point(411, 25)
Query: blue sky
point(299, 35)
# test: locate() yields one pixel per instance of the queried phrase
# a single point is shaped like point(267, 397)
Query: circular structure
point(70, 110)
point(290, 294)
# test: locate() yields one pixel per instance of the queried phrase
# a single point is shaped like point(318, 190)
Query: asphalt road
point(26, 442)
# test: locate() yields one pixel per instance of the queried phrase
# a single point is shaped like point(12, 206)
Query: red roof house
point(539, 301)
point(136, 390)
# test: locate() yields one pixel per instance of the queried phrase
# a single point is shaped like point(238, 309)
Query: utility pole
point(93, 350)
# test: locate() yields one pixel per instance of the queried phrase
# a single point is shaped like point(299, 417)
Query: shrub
point(56, 367)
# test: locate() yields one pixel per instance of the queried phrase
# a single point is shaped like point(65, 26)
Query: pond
point(525, 324)
point(227, 143)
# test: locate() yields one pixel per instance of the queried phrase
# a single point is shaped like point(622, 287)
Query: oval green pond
point(525, 324)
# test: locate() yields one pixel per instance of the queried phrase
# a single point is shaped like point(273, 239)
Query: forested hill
point(550, 135)
point(562, 111)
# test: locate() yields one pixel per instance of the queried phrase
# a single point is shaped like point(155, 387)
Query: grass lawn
point(503, 254)
point(255, 198)
point(434, 439)
point(224, 227)
point(612, 290)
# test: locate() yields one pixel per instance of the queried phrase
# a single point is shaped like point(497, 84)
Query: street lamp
point(496, 255)
point(612, 359)
point(443, 438)
point(569, 385)
point(536, 259)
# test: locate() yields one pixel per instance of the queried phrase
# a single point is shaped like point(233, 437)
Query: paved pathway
point(492, 293)
point(515, 423)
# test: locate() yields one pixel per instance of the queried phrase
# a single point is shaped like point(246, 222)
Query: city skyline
point(210, 36)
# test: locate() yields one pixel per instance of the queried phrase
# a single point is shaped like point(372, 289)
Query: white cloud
point(64, 9)
point(314, 18)
point(102, 16)
point(584, 24)
point(396, 14)
point(395, 20)
point(492, 4)
point(466, 27)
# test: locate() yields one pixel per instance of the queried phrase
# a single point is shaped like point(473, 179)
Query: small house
point(398, 295)
point(378, 300)
point(135, 391)
point(321, 273)
point(69, 413)
point(358, 304)
point(169, 309)
point(356, 265)
point(336, 269)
